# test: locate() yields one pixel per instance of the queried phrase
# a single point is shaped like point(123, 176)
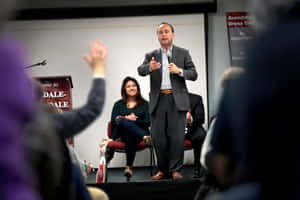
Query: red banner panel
point(57, 91)
point(238, 19)
point(240, 35)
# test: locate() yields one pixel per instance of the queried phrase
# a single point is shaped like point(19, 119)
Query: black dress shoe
point(197, 170)
point(196, 174)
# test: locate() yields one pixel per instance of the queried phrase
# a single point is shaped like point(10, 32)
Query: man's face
point(165, 35)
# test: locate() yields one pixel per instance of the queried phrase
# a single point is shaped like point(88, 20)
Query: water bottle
point(101, 173)
point(84, 165)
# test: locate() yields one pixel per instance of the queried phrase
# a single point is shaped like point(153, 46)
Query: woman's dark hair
point(139, 99)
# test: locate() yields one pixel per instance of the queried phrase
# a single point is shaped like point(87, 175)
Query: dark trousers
point(197, 145)
point(131, 134)
point(168, 134)
point(196, 135)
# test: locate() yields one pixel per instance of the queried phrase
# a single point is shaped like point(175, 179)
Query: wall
point(63, 42)
point(87, 143)
point(218, 50)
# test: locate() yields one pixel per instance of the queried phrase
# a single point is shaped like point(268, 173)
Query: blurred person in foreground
point(218, 165)
point(258, 110)
point(58, 178)
point(17, 107)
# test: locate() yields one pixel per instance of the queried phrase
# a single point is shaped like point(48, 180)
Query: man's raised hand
point(154, 65)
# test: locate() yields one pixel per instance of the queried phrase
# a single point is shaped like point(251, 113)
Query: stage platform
point(141, 187)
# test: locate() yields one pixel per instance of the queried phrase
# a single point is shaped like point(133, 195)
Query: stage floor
point(139, 174)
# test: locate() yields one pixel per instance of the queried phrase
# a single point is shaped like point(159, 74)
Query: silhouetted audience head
point(231, 73)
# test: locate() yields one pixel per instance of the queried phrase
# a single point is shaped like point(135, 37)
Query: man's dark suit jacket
point(196, 131)
point(183, 60)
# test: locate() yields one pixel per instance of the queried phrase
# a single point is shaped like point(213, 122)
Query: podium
point(57, 91)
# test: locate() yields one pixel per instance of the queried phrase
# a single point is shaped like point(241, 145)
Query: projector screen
point(63, 42)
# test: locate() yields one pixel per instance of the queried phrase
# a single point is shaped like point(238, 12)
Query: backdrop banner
point(240, 34)
point(57, 91)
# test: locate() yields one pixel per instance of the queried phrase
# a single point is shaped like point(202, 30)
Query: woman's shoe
point(147, 140)
point(128, 172)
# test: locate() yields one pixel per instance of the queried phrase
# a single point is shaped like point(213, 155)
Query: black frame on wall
point(114, 11)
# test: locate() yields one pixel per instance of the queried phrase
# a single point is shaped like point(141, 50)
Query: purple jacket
point(16, 109)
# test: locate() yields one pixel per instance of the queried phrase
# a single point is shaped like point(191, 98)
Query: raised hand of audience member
point(97, 57)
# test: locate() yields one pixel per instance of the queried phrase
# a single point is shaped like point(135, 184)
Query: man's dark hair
point(171, 26)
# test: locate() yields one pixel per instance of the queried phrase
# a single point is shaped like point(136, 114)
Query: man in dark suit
point(195, 132)
point(168, 67)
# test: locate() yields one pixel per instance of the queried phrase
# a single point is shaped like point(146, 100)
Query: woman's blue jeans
point(131, 134)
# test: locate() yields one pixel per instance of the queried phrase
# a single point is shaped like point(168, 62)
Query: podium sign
point(57, 91)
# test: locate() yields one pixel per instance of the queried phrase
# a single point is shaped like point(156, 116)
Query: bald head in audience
point(230, 73)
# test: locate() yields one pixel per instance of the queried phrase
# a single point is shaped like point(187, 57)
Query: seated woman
point(130, 120)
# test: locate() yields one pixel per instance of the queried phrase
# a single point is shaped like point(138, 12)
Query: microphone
point(169, 57)
point(44, 62)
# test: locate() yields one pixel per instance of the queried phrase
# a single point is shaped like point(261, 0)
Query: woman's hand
point(131, 117)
